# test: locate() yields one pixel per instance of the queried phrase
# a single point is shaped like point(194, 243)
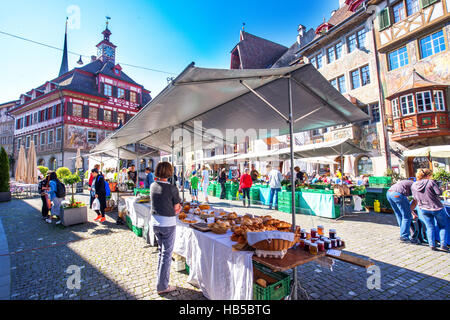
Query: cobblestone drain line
point(54, 245)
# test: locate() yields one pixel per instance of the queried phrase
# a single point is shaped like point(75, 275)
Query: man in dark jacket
point(100, 194)
point(222, 180)
point(42, 188)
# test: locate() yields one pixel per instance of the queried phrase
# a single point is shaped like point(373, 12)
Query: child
point(194, 186)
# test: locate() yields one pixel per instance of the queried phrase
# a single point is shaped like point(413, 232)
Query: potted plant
point(75, 211)
point(5, 192)
point(442, 177)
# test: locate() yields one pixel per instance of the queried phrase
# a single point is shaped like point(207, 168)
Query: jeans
point(402, 209)
point(44, 207)
point(56, 208)
point(273, 192)
point(165, 236)
point(443, 225)
point(246, 193)
point(223, 190)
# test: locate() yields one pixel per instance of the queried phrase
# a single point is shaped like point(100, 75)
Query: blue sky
point(163, 35)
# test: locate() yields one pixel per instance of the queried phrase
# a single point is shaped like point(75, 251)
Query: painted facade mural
point(83, 137)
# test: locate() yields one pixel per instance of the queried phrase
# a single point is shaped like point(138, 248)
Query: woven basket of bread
point(218, 229)
point(274, 245)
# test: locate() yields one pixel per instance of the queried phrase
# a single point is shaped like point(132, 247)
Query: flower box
point(71, 216)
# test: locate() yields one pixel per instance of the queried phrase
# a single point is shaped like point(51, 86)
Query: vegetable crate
point(285, 202)
point(187, 268)
point(218, 190)
point(211, 189)
point(380, 182)
point(278, 283)
point(141, 191)
point(137, 231)
point(255, 195)
point(129, 223)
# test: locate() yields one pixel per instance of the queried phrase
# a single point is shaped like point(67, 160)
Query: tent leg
point(291, 136)
point(182, 161)
point(173, 179)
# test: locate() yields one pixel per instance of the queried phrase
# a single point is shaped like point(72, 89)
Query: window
point(407, 104)
point(107, 90)
point(28, 140)
point(319, 60)
point(365, 166)
point(35, 139)
point(384, 19)
point(361, 36)
point(334, 83)
point(338, 50)
point(120, 93)
point(331, 54)
point(439, 100)
point(432, 44)
point(50, 137)
point(423, 100)
point(133, 96)
point(356, 81)
point(398, 58)
point(121, 117)
point(351, 43)
point(77, 110)
point(412, 6)
point(399, 12)
point(365, 75)
point(375, 110)
point(42, 138)
point(92, 136)
point(107, 116)
point(395, 109)
point(58, 134)
point(19, 143)
point(93, 113)
point(35, 118)
point(316, 132)
point(313, 61)
point(341, 83)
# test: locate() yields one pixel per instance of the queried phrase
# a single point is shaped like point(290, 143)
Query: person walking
point(149, 178)
point(222, 181)
point(254, 174)
point(245, 184)
point(165, 205)
point(205, 182)
point(100, 194)
point(57, 195)
point(275, 178)
point(397, 195)
point(194, 186)
point(43, 187)
point(91, 191)
point(426, 192)
point(132, 175)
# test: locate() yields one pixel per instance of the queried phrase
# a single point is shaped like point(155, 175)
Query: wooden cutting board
point(201, 226)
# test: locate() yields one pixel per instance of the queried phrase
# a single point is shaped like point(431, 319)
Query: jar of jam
point(333, 243)
point(301, 243)
point(332, 233)
point(307, 243)
point(313, 249)
point(320, 230)
point(338, 242)
point(303, 233)
point(327, 244)
point(308, 235)
point(313, 233)
point(321, 245)
point(314, 240)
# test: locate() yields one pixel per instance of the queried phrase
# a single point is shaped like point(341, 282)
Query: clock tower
point(106, 51)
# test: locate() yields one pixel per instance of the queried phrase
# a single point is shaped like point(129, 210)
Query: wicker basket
point(218, 230)
point(275, 244)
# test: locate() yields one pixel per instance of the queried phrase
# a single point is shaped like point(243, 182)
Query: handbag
point(96, 204)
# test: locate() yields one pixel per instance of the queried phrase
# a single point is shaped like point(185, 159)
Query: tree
point(43, 170)
point(71, 179)
point(63, 172)
point(4, 171)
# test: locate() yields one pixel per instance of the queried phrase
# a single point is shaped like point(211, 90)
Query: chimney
point(301, 33)
point(93, 58)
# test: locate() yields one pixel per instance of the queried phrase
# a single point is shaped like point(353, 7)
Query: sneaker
point(103, 219)
point(404, 239)
point(48, 220)
point(445, 248)
point(98, 217)
point(415, 241)
point(434, 248)
point(58, 222)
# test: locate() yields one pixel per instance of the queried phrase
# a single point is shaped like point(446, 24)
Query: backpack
point(60, 189)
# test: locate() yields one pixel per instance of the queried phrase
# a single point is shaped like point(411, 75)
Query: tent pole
point(342, 181)
point(171, 159)
point(291, 136)
point(182, 160)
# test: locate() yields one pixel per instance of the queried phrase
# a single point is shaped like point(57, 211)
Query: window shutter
point(426, 3)
point(138, 98)
point(114, 116)
point(69, 108)
point(85, 112)
point(127, 117)
point(102, 88)
point(100, 114)
point(385, 19)
point(114, 91)
point(127, 95)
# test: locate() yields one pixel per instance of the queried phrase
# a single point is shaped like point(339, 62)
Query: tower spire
point(64, 64)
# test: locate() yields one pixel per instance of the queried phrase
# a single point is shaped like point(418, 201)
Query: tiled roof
point(258, 53)
point(338, 17)
point(82, 83)
point(107, 69)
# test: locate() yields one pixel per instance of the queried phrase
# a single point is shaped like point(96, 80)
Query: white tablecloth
point(221, 274)
point(139, 212)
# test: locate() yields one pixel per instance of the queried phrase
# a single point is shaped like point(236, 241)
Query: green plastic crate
point(141, 191)
point(137, 231)
point(129, 223)
point(275, 291)
point(187, 268)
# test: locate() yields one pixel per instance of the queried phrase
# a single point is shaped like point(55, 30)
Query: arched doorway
point(415, 163)
point(364, 166)
point(52, 164)
point(41, 162)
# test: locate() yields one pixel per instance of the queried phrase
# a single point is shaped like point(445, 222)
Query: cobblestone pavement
point(116, 264)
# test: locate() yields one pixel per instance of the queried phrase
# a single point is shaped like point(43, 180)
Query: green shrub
point(63, 172)
point(442, 176)
point(43, 170)
point(71, 179)
point(4, 171)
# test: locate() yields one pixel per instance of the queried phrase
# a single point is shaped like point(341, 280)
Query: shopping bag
point(96, 204)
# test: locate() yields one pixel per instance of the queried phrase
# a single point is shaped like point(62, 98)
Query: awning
point(261, 156)
point(217, 159)
point(433, 151)
point(233, 99)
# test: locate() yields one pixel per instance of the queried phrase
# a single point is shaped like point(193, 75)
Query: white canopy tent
point(431, 151)
point(210, 102)
point(221, 158)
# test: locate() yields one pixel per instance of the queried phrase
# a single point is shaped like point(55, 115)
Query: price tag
point(333, 252)
point(210, 220)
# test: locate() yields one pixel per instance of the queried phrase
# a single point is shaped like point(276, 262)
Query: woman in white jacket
point(205, 182)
